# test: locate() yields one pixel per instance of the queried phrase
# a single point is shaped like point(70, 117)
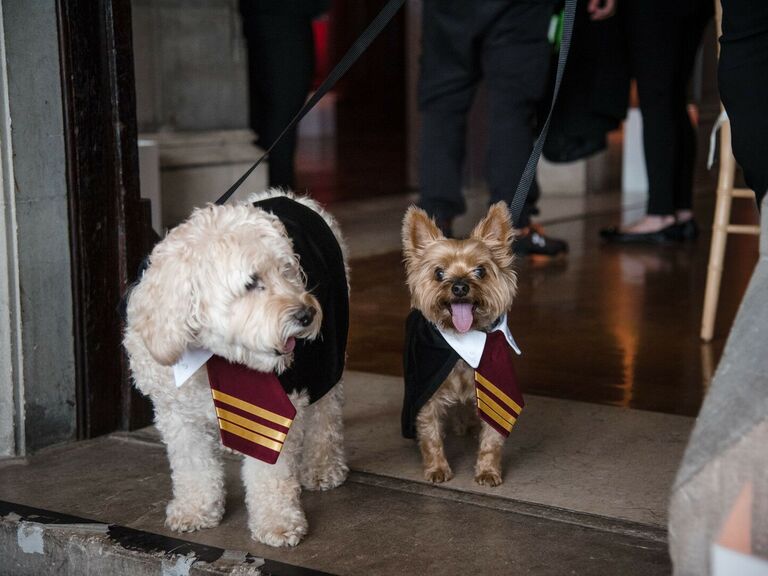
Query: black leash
point(360, 46)
point(518, 201)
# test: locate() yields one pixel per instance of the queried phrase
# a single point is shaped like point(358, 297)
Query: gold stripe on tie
point(498, 419)
point(250, 436)
point(495, 406)
point(487, 383)
point(250, 424)
point(251, 408)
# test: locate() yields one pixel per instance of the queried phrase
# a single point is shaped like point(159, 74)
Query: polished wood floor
point(612, 325)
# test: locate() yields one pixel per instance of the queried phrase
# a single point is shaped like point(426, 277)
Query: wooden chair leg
point(719, 233)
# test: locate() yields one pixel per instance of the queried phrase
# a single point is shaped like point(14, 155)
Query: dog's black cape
point(317, 364)
point(427, 361)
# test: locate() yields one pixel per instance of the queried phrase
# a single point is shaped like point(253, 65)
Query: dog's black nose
point(305, 315)
point(460, 288)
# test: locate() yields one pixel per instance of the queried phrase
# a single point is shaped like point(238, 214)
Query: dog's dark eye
point(480, 271)
point(439, 274)
point(254, 283)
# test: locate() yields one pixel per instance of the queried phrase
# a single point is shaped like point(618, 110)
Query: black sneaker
point(533, 242)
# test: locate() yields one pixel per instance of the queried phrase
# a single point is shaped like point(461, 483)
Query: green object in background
point(555, 34)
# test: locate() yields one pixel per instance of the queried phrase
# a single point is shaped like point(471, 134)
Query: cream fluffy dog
point(228, 280)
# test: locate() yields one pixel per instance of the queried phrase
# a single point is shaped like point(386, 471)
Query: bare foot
point(683, 216)
point(650, 223)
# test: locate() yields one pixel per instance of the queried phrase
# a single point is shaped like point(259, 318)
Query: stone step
point(598, 461)
point(585, 488)
point(35, 541)
point(354, 529)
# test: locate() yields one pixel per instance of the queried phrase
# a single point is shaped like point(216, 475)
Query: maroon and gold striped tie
point(253, 411)
point(499, 400)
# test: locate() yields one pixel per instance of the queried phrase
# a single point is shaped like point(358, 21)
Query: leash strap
point(360, 45)
point(518, 201)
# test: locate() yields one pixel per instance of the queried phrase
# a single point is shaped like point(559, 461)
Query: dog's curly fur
point(433, 263)
point(227, 279)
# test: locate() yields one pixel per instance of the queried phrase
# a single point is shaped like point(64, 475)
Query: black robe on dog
point(318, 364)
point(427, 361)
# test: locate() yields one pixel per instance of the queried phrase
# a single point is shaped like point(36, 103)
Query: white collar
point(190, 362)
point(470, 345)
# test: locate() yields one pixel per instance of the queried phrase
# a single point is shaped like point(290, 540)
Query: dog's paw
point(324, 478)
point(281, 535)
point(488, 478)
point(183, 516)
point(438, 475)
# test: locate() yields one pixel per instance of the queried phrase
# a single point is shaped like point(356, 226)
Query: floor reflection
point(612, 325)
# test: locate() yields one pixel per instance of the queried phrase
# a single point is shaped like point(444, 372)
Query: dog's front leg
point(323, 461)
point(488, 465)
point(272, 491)
point(429, 429)
point(197, 473)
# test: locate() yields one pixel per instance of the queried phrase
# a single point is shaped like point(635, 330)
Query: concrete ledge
point(590, 460)
point(582, 519)
point(34, 542)
point(197, 167)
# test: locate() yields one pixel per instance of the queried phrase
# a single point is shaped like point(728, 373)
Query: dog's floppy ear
point(162, 308)
point(496, 232)
point(418, 230)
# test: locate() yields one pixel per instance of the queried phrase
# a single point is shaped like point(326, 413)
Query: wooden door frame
point(99, 101)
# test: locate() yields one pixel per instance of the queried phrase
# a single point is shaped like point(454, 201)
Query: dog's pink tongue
point(290, 344)
point(462, 316)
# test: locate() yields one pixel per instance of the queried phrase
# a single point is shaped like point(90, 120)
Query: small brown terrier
point(459, 285)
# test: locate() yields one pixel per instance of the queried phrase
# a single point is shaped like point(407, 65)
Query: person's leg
point(516, 63)
point(651, 28)
point(516, 66)
point(696, 18)
point(448, 77)
point(281, 64)
point(743, 81)
point(744, 91)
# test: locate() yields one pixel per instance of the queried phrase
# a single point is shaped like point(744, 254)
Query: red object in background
point(322, 65)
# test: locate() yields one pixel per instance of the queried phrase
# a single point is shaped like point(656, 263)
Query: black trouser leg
point(448, 78)
point(744, 90)
point(505, 42)
point(280, 65)
point(743, 80)
point(515, 59)
point(662, 47)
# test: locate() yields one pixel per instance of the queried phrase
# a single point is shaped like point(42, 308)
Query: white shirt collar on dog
point(470, 345)
point(189, 363)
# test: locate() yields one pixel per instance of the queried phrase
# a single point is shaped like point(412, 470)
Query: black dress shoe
point(688, 230)
point(666, 235)
point(534, 243)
